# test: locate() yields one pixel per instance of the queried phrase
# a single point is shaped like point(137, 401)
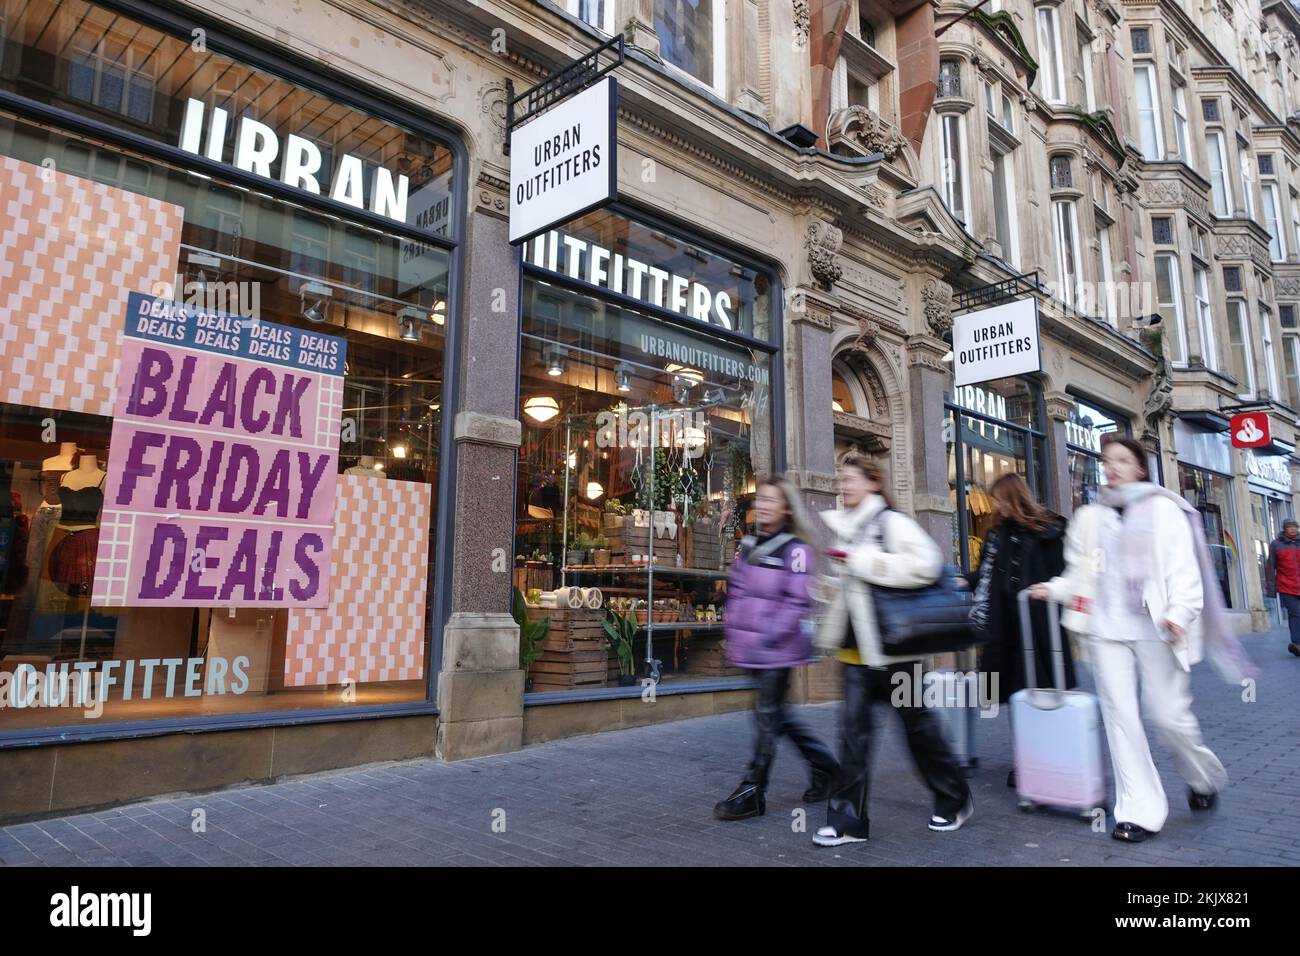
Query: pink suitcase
point(1056, 732)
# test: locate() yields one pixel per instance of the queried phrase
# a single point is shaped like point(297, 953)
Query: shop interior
point(635, 484)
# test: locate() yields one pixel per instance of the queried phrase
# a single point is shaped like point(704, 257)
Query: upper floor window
point(1220, 185)
point(692, 38)
point(1067, 250)
point(954, 164)
point(1085, 75)
point(114, 76)
point(1005, 227)
point(597, 13)
point(1062, 176)
point(1141, 37)
point(1051, 67)
point(1148, 111)
point(1247, 168)
point(1008, 114)
point(1180, 121)
point(1169, 298)
point(1273, 222)
point(1162, 230)
point(1210, 111)
point(950, 78)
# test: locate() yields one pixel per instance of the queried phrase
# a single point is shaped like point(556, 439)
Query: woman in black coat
point(1024, 547)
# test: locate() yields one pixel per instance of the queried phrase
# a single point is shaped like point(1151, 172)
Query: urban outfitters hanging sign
point(997, 342)
point(223, 464)
point(563, 163)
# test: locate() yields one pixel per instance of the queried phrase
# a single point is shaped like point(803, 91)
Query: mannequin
point(82, 494)
point(365, 467)
point(64, 460)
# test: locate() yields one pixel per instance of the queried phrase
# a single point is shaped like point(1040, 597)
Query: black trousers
point(1292, 605)
point(772, 721)
point(863, 686)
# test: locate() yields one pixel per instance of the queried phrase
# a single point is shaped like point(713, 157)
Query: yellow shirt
point(847, 656)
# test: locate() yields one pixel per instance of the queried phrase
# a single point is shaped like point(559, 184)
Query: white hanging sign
point(563, 163)
point(998, 342)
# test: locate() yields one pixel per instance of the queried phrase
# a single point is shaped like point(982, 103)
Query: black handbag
point(934, 619)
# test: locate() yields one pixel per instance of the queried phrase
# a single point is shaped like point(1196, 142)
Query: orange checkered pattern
point(374, 628)
point(70, 251)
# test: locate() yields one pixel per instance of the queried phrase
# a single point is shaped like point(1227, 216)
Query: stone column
point(480, 687)
point(1057, 467)
point(928, 377)
point(640, 25)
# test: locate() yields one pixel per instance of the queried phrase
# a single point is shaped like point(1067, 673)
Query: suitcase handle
point(1027, 642)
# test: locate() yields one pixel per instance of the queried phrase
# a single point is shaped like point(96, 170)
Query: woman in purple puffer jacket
point(767, 605)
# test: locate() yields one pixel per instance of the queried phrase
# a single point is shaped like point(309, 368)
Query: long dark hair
point(1017, 505)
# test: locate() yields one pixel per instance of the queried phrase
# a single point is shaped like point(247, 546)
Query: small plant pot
point(642, 616)
point(577, 558)
point(626, 680)
point(601, 557)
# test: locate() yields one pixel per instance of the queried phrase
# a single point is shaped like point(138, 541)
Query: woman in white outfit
point(1134, 586)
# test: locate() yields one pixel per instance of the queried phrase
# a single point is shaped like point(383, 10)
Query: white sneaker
point(944, 825)
point(829, 836)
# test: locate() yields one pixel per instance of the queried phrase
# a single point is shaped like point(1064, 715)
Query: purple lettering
point(243, 567)
point(310, 480)
point(136, 467)
point(178, 475)
point(311, 540)
point(222, 399)
point(154, 370)
point(164, 536)
point(215, 456)
point(230, 502)
point(291, 405)
point(255, 423)
point(179, 412)
point(276, 487)
point(272, 565)
point(204, 592)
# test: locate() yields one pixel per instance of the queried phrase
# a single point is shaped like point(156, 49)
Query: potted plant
point(531, 635)
point(641, 612)
point(620, 631)
point(600, 551)
point(578, 548)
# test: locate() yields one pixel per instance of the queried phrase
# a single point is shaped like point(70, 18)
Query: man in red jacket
point(1282, 577)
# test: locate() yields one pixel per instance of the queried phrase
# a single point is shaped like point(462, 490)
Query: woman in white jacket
point(1133, 586)
point(873, 544)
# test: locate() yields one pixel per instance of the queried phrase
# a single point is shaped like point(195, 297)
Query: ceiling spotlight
point(692, 375)
point(409, 322)
point(439, 314)
point(623, 377)
point(541, 408)
point(315, 301)
point(553, 358)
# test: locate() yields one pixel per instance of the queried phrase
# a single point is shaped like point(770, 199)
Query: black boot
point(823, 782)
point(1130, 833)
point(1201, 801)
point(746, 801)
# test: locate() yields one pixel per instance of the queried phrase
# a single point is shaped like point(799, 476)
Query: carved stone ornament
point(1234, 247)
point(802, 21)
point(823, 243)
point(868, 329)
point(937, 298)
point(492, 103)
point(876, 196)
point(1159, 401)
point(1288, 287)
point(863, 128)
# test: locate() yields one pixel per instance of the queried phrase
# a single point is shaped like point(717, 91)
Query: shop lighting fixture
point(573, 461)
point(553, 358)
point(439, 314)
point(315, 301)
point(623, 377)
point(692, 438)
point(541, 408)
point(594, 490)
point(681, 390)
point(399, 451)
point(836, 406)
point(409, 321)
point(692, 375)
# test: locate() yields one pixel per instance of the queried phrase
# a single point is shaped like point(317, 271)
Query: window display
point(1211, 495)
point(642, 440)
point(1084, 431)
point(991, 429)
point(91, 222)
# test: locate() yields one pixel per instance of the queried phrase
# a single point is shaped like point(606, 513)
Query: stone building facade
point(832, 174)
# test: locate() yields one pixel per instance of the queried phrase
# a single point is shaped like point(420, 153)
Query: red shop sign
point(1250, 430)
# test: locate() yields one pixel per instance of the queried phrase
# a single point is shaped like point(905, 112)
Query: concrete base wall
point(555, 721)
point(53, 780)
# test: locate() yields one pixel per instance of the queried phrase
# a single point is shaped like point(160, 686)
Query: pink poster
point(224, 460)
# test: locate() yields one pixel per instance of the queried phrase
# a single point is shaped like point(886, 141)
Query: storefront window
point(992, 429)
point(642, 440)
point(1211, 495)
point(86, 224)
point(1084, 431)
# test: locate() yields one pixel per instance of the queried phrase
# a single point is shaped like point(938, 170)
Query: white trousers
point(1118, 668)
